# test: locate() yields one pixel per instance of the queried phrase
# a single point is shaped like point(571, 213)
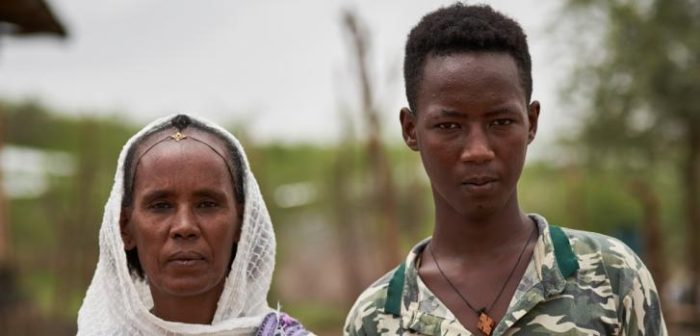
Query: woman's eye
point(207, 204)
point(160, 205)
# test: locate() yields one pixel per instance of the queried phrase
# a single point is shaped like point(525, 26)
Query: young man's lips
point(479, 181)
point(481, 184)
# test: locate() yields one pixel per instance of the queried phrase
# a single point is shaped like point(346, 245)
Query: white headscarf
point(118, 303)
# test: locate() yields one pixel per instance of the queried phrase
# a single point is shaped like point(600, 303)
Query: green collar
point(566, 259)
point(395, 291)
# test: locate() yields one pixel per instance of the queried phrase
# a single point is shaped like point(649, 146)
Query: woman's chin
point(187, 287)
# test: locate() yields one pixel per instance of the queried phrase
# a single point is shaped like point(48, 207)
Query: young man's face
point(472, 128)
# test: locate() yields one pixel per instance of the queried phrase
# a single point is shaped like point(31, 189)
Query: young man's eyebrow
point(450, 113)
point(505, 110)
point(502, 110)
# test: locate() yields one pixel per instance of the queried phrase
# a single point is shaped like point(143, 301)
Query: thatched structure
point(22, 17)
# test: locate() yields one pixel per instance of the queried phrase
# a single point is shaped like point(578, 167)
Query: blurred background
point(313, 89)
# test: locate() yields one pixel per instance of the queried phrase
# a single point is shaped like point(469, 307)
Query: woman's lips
point(186, 258)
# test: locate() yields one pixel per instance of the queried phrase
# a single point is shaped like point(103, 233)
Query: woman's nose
point(185, 225)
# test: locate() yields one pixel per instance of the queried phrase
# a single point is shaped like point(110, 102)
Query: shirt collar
point(553, 257)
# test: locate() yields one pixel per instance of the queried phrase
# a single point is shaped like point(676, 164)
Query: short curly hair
point(464, 28)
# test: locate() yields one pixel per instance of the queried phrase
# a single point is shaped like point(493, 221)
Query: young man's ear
point(127, 237)
point(533, 115)
point(408, 128)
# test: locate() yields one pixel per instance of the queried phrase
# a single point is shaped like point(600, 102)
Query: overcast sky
point(280, 68)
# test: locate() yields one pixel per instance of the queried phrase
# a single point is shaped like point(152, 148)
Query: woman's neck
point(198, 309)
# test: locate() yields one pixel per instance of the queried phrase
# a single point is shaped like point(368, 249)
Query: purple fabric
point(280, 324)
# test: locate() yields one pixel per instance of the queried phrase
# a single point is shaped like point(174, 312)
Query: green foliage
point(54, 236)
point(325, 318)
point(580, 198)
point(640, 92)
point(637, 84)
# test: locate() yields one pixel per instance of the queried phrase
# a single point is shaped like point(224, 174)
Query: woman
point(186, 243)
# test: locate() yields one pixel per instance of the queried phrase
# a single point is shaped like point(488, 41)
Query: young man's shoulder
point(613, 252)
point(608, 257)
point(610, 269)
point(367, 307)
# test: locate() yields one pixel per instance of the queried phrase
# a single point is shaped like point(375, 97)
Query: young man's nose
point(477, 147)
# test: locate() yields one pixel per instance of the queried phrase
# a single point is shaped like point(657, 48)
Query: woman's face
point(184, 219)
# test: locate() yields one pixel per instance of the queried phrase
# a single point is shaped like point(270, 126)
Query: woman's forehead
point(182, 164)
point(171, 151)
point(173, 135)
point(182, 151)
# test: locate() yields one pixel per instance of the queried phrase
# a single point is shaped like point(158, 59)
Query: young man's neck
point(469, 235)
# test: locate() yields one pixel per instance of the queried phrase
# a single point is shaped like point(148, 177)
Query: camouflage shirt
point(577, 283)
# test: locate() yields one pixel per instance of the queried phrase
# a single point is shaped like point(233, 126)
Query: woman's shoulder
point(280, 324)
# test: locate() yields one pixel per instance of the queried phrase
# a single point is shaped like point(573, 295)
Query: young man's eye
point(502, 122)
point(447, 126)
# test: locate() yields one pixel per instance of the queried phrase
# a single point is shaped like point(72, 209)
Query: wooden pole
point(691, 176)
point(4, 216)
point(378, 159)
point(651, 227)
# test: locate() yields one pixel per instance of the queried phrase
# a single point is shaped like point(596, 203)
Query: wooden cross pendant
point(485, 323)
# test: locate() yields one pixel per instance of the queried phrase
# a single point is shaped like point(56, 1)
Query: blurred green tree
point(53, 234)
point(640, 84)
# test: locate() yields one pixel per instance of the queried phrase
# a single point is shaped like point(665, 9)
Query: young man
point(489, 268)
